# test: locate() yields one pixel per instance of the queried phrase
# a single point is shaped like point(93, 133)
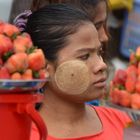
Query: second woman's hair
point(51, 25)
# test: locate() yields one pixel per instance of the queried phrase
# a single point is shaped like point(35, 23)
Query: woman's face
point(100, 21)
point(84, 45)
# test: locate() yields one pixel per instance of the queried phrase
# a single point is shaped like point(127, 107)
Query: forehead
point(100, 11)
point(85, 37)
point(85, 34)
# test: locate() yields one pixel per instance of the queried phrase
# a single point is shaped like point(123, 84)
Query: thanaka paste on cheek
point(72, 77)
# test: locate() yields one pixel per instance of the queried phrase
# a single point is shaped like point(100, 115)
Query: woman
point(71, 37)
point(96, 9)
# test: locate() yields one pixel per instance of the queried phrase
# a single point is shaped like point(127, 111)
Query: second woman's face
point(100, 21)
point(84, 45)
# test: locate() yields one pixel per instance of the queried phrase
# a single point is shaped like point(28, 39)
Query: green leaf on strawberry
point(121, 87)
point(31, 50)
point(7, 55)
point(36, 74)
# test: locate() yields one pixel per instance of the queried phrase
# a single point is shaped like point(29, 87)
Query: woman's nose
point(100, 66)
point(103, 37)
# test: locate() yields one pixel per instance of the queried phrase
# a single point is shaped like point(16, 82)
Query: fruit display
point(19, 58)
point(125, 86)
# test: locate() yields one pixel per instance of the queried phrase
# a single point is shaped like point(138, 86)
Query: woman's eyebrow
point(89, 49)
point(86, 49)
point(98, 23)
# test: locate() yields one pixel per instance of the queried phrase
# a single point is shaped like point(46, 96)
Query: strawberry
point(131, 70)
point(36, 60)
point(5, 45)
point(43, 74)
point(138, 84)
point(120, 77)
point(16, 76)
point(4, 73)
point(22, 43)
point(10, 29)
point(125, 98)
point(27, 75)
point(131, 79)
point(138, 87)
point(135, 101)
point(115, 95)
point(130, 84)
point(17, 62)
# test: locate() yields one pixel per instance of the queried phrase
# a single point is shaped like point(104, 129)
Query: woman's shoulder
point(112, 115)
point(110, 111)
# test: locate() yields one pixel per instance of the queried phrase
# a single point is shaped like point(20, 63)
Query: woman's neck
point(65, 119)
point(65, 110)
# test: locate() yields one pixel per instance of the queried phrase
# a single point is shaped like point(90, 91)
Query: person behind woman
point(96, 9)
point(67, 36)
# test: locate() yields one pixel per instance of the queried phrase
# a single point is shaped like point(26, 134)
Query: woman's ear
point(49, 69)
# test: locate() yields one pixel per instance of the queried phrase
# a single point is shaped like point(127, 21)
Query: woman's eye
point(98, 26)
point(101, 52)
point(84, 57)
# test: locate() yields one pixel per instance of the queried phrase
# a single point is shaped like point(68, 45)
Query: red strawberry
point(130, 84)
point(16, 76)
point(10, 29)
point(5, 45)
point(36, 60)
point(22, 43)
point(115, 95)
point(131, 79)
point(17, 62)
point(131, 70)
point(4, 73)
point(138, 87)
point(138, 84)
point(125, 98)
point(43, 74)
point(135, 101)
point(120, 77)
point(27, 75)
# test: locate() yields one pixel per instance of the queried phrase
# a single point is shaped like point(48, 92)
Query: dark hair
point(51, 25)
point(83, 4)
point(88, 6)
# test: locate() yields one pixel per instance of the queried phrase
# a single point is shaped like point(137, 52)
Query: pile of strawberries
point(19, 59)
point(125, 86)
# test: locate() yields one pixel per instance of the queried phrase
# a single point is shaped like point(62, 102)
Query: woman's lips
point(100, 83)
